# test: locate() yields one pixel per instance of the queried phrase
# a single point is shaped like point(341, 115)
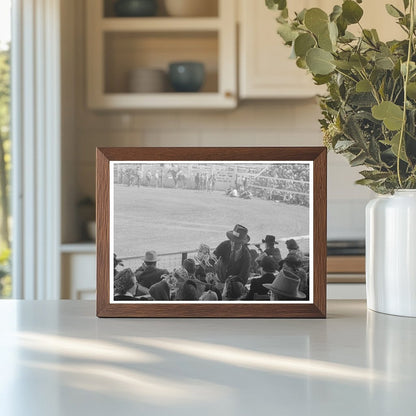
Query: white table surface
point(57, 358)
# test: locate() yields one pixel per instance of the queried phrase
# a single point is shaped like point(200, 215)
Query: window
point(5, 147)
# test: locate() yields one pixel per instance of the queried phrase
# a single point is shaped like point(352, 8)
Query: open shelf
point(116, 46)
point(127, 51)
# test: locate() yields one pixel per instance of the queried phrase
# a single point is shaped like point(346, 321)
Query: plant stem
point(406, 80)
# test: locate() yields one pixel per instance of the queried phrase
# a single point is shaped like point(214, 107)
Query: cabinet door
point(265, 68)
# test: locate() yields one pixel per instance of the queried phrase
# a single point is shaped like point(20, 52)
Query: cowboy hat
point(286, 284)
point(270, 239)
point(238, 234)
point(150, 257)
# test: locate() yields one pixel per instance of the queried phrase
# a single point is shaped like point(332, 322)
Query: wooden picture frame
point(316, 157)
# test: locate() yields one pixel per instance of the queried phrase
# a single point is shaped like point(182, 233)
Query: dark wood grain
point(317, 309)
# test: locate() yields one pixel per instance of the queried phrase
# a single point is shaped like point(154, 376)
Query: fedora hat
point(150, 256)
point(238, 234)
point(286, 284)
point(270, 239)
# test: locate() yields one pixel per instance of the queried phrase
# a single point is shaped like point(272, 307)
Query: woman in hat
point(293, 248)
point(234, 256)
point(125, 286)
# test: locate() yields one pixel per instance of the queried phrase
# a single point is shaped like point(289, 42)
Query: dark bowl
point(135, 8)
point(186, 76)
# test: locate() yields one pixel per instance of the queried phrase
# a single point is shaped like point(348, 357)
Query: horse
point(178, 177)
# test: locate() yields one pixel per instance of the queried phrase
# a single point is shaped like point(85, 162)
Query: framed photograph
point(211, 232)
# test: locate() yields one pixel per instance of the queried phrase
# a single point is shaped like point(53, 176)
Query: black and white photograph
point(211, 231)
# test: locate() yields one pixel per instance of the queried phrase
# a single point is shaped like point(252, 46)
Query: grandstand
point(283, 182)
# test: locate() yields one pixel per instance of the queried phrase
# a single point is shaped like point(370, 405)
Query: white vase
point(391, 253)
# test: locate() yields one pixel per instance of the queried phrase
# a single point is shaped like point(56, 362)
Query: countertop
point(57, 358)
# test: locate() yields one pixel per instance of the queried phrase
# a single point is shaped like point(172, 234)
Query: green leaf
point(351, 11)
point(287, 33)
point(336, 12)
point(363, 86)
point(344, 65)
point(342, 25)
point(319, 61)
point(393, 11)
point(394, 143)
point(411, 90)
point(384, 62)
point(321, 79)
point(343, 145)
point(316, 20)
point(325, 42)
point(303, 43)
point(276, 4)
point(301, 15)
point(388, 112)
point(375, 35)
point(358, 61)
point(347, 37)
point(374, 175)
point(301, 63)
point(358, 160)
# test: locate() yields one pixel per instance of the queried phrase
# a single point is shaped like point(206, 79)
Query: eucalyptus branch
point(406, 80)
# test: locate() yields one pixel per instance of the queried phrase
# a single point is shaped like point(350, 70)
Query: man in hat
point(270, 249)
point(257, 290)
point(285, 287)
point(233, 255)
point(148, 274)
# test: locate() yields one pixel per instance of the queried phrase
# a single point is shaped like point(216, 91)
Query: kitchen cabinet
point(78, 264)
point(118, 45)
point(265, 69)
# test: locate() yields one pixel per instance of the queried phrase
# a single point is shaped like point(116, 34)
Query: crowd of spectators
point(200, 278)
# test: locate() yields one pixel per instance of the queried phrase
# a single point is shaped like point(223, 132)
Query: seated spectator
point(160, 290)
point(285, 287)
point(233, 289)
point(204, 261)
point(293, 264)
point(271, 250)
point(125, 285)
point(188, 291)
point(148, 274)
point(257, 290)
point(293, 248)
point(190, 266)
point(209, 295)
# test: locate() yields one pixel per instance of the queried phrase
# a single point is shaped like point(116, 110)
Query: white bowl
point(147, 80)
point(191, 8)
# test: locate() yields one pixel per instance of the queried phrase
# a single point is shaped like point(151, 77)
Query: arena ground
point(173, 220)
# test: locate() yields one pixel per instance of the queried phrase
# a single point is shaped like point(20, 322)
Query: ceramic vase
point(391, 253)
